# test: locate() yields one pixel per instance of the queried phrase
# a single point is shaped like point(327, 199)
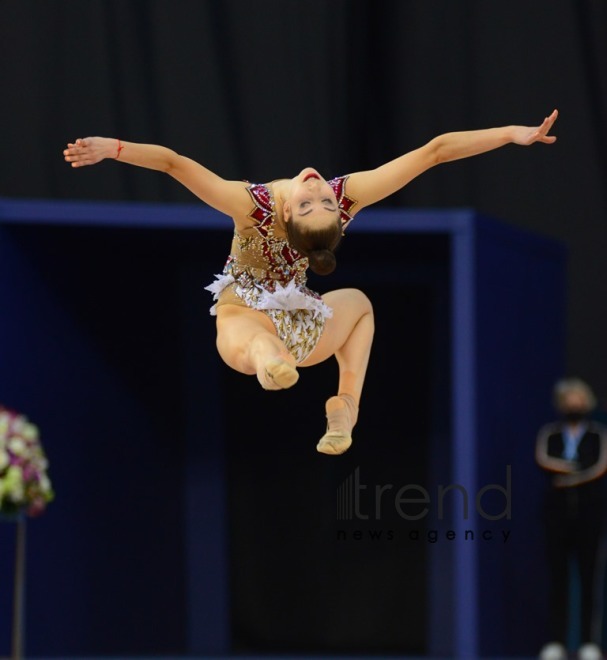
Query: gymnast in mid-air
point(269, 323)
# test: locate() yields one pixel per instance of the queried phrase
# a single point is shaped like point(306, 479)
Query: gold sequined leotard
point(264, 272)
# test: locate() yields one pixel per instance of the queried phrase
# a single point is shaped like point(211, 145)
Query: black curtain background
point(258, 90)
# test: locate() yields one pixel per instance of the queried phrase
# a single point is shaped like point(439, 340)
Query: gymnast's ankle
point(342, 414)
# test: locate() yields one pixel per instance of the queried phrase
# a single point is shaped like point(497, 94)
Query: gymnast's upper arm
point(229, 197)
point(370, 186)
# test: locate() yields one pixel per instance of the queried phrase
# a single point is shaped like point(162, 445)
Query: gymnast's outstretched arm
point(229, 197)
point(371, 186)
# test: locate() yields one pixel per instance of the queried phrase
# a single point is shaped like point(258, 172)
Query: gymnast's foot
point(277, 374)
point(342, 413)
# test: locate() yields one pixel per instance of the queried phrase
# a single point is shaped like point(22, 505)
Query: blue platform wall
point(520, 339)
point(106, 343)
point(116, 452)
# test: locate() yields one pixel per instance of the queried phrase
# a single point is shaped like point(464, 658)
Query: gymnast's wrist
point(116, 148)
point(107, 148)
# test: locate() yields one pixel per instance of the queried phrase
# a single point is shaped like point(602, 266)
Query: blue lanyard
point(571, 442)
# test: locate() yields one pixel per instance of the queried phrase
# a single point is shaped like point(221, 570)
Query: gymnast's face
point(311, 200)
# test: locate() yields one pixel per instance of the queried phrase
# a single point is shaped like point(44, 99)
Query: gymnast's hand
point(525, 135)
point(91, 150)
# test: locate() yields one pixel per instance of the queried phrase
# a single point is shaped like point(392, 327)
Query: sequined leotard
point(263, 272)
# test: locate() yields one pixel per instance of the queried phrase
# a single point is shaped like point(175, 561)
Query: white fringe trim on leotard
point(290, 297)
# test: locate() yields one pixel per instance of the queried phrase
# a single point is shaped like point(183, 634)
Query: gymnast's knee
point(363, 302)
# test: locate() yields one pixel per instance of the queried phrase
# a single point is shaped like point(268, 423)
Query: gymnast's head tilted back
point(313, 220)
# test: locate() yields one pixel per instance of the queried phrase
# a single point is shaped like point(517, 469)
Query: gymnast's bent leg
point(348, 335)
point(247, 342)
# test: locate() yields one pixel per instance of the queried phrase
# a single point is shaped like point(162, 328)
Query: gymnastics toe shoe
point(334, 443)
point(277, 374)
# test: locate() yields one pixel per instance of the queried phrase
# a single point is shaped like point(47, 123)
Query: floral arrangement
point(24, 483)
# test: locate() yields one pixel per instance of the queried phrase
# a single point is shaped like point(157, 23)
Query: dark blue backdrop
point(106, 343)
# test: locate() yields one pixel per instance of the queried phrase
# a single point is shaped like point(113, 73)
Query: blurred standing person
point(573, 453)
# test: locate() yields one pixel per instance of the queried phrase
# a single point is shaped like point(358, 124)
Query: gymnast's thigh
point(237, 326)
point(349, 306)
